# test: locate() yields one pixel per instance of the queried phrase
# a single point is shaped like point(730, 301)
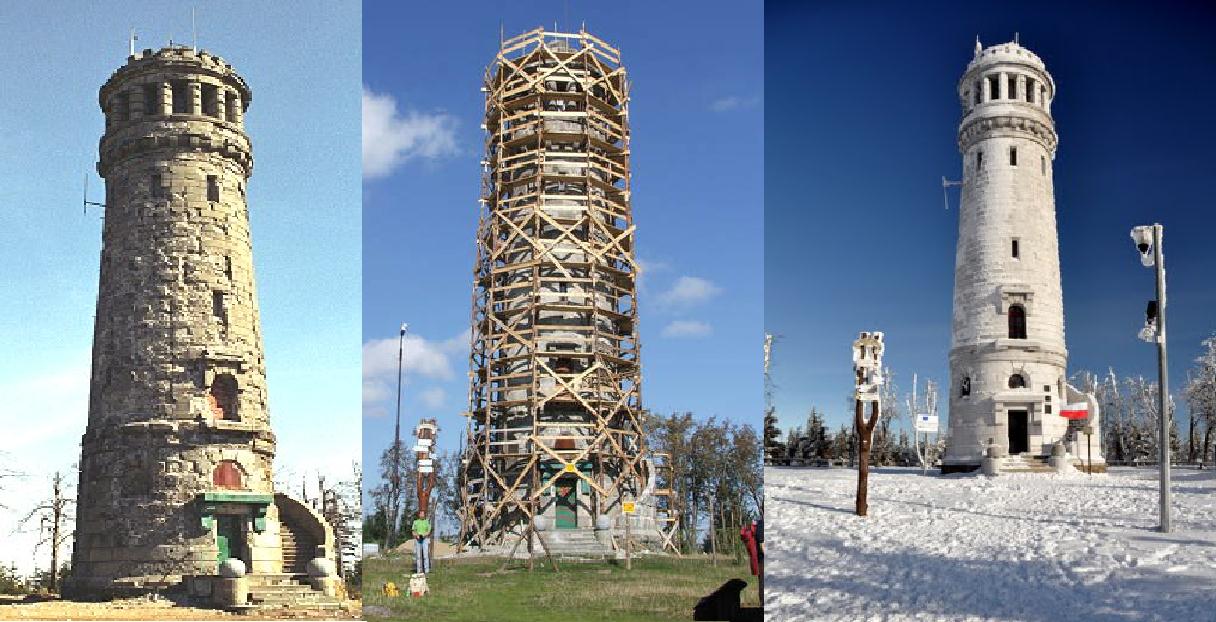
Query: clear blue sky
point(303, 64)
point(862, 118)
point(697, 115)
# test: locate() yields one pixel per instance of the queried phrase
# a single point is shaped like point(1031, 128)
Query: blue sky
point(697, 119)
point(303, 64)
point(862, 119)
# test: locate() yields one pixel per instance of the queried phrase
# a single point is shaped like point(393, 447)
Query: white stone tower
point(1008, 360)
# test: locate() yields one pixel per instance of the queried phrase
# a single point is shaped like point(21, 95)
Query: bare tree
point(53, 518)
point(342, 507)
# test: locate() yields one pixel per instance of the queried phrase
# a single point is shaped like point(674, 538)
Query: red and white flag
point(1080, 410)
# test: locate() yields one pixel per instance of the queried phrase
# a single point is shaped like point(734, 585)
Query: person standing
point(422, 536)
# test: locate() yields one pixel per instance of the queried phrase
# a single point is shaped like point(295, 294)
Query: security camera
point(1148, 334)
point(1143, 237)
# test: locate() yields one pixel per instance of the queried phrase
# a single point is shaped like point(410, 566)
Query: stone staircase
point(572, 544)
point(272, 591)
point(1025, 463)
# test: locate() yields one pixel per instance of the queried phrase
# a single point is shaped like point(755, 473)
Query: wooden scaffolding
point(555, 380)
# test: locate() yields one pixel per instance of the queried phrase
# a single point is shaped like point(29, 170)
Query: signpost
point(867, 373)
point(929, 425)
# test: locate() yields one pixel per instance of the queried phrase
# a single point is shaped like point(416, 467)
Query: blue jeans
point(422, 554)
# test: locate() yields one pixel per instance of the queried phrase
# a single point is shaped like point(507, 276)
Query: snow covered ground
point(967, 547)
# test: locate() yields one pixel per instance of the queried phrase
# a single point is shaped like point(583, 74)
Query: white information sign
point(926, 423)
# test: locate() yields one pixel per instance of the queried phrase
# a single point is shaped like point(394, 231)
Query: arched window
point(227, 474)
point(1017, 381)
point(1017, 322)
point(223, 397)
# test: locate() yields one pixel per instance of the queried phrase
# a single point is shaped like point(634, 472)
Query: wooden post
point(863, 457)
point(628, 543)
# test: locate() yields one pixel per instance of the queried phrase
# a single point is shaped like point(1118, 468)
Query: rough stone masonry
point(175, 470)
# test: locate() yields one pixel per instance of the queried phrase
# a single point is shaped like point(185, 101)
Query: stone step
point(259, 580)
point(282, 589)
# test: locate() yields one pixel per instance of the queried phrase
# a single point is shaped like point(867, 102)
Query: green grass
point(656, 589)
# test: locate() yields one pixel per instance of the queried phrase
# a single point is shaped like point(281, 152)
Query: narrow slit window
point(1013, 156)
point(181, 97)
point(994, 88)
point(151, 100)
point(158, 190)
point(1011, 83)
point(211, 105)
point(1031, 87)
point(217, 305)
point(213, 188)
point(1043, 165)
point(1016, 249)
point(979, 160)
point(122, 107)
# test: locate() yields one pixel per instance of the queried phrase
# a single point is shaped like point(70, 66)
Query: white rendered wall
point(1002, 202)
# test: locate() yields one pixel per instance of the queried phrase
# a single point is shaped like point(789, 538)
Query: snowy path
point(965, 547)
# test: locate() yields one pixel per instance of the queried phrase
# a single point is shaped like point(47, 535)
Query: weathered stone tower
point(1008, 360)
point(555, 436)
point(175, 470)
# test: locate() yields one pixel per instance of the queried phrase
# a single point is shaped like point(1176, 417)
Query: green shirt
point(422, 527)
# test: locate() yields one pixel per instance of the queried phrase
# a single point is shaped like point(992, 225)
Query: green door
point(227, 536)
point(567, 503)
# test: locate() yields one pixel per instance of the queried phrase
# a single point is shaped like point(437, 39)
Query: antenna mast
point(946, 184)
point(85, 202)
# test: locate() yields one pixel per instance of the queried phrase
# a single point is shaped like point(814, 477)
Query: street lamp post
point(1148, 241)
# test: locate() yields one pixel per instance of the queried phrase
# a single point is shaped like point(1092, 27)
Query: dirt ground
point(16, 608)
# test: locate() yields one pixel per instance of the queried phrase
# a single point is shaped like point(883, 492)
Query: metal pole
point(1163, 380)
point(395, 485)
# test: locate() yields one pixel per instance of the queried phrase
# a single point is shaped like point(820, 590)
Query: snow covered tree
point(774, 450)
point(1200, 395)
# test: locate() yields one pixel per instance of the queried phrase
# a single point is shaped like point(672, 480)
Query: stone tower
point(1008, 359)
point(175, 469)
point(555, 434)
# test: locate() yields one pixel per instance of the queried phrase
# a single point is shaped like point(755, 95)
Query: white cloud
point(392, 138)
point(688, 291)
point(421, 358)
point(44, 414)
point(433, 398)
point(687, 329)
point(733, 102)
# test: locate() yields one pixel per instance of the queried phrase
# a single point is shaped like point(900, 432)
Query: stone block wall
point(178, 401)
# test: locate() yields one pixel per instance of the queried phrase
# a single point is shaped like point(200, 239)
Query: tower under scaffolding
point(555, 437)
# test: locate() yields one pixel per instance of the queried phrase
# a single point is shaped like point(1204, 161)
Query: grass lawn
point(656, 589)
